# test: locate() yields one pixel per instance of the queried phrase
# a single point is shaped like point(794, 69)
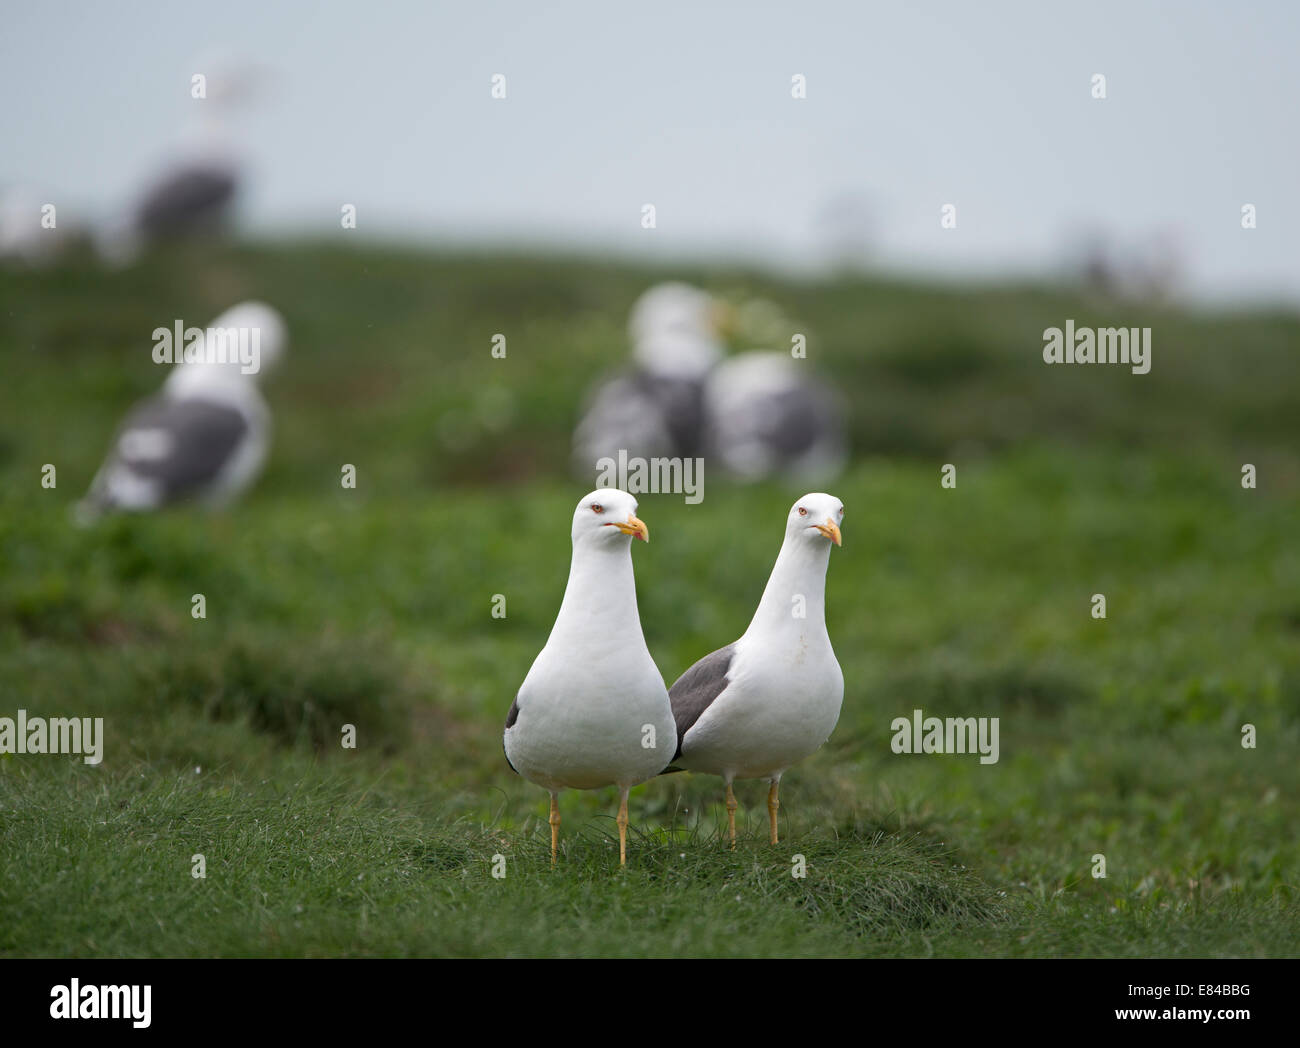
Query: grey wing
point(177, 446)
point(188, 198)
point(696, 689)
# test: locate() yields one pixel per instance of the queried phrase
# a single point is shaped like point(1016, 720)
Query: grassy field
point(1119, 737)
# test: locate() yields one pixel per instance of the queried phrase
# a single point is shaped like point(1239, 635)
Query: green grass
point(373, 607)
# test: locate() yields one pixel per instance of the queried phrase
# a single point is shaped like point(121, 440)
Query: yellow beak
point(634, 526)
point(830, 530)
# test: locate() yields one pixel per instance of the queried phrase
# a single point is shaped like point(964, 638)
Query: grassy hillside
point(372, 607)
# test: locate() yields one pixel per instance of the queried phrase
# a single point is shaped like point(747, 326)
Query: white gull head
point(815, 519)
point(672, 307)
point(606, 519)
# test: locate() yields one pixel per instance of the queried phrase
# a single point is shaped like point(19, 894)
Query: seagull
point(771, 698)
point(191, 195)
point(206, 434)
point(758, 414)
point(655, 407)
point(765, 415)
point(192, 192)
point(593, 710)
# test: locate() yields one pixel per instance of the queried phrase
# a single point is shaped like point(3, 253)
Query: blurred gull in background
point(755, 415)
point(193, 191)
point(204, 436)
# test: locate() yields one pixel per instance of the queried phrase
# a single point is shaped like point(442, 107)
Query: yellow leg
point(772, 805)
point(622, 828)
point(555, 826)
point(731, 815)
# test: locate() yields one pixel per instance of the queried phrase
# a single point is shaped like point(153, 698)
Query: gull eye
point(803, 512)
point(596, 507)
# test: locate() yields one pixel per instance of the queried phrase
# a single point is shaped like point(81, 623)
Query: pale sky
point(987, 106)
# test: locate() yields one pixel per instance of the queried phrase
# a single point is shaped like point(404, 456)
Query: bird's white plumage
point(784, 686)
point(593, 710)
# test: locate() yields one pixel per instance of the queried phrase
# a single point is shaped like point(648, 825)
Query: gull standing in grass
point(193, 190)
point(206, 434)
point(593, 710)
point(755, 707)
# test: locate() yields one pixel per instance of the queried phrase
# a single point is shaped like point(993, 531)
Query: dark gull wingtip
point(511, 717)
